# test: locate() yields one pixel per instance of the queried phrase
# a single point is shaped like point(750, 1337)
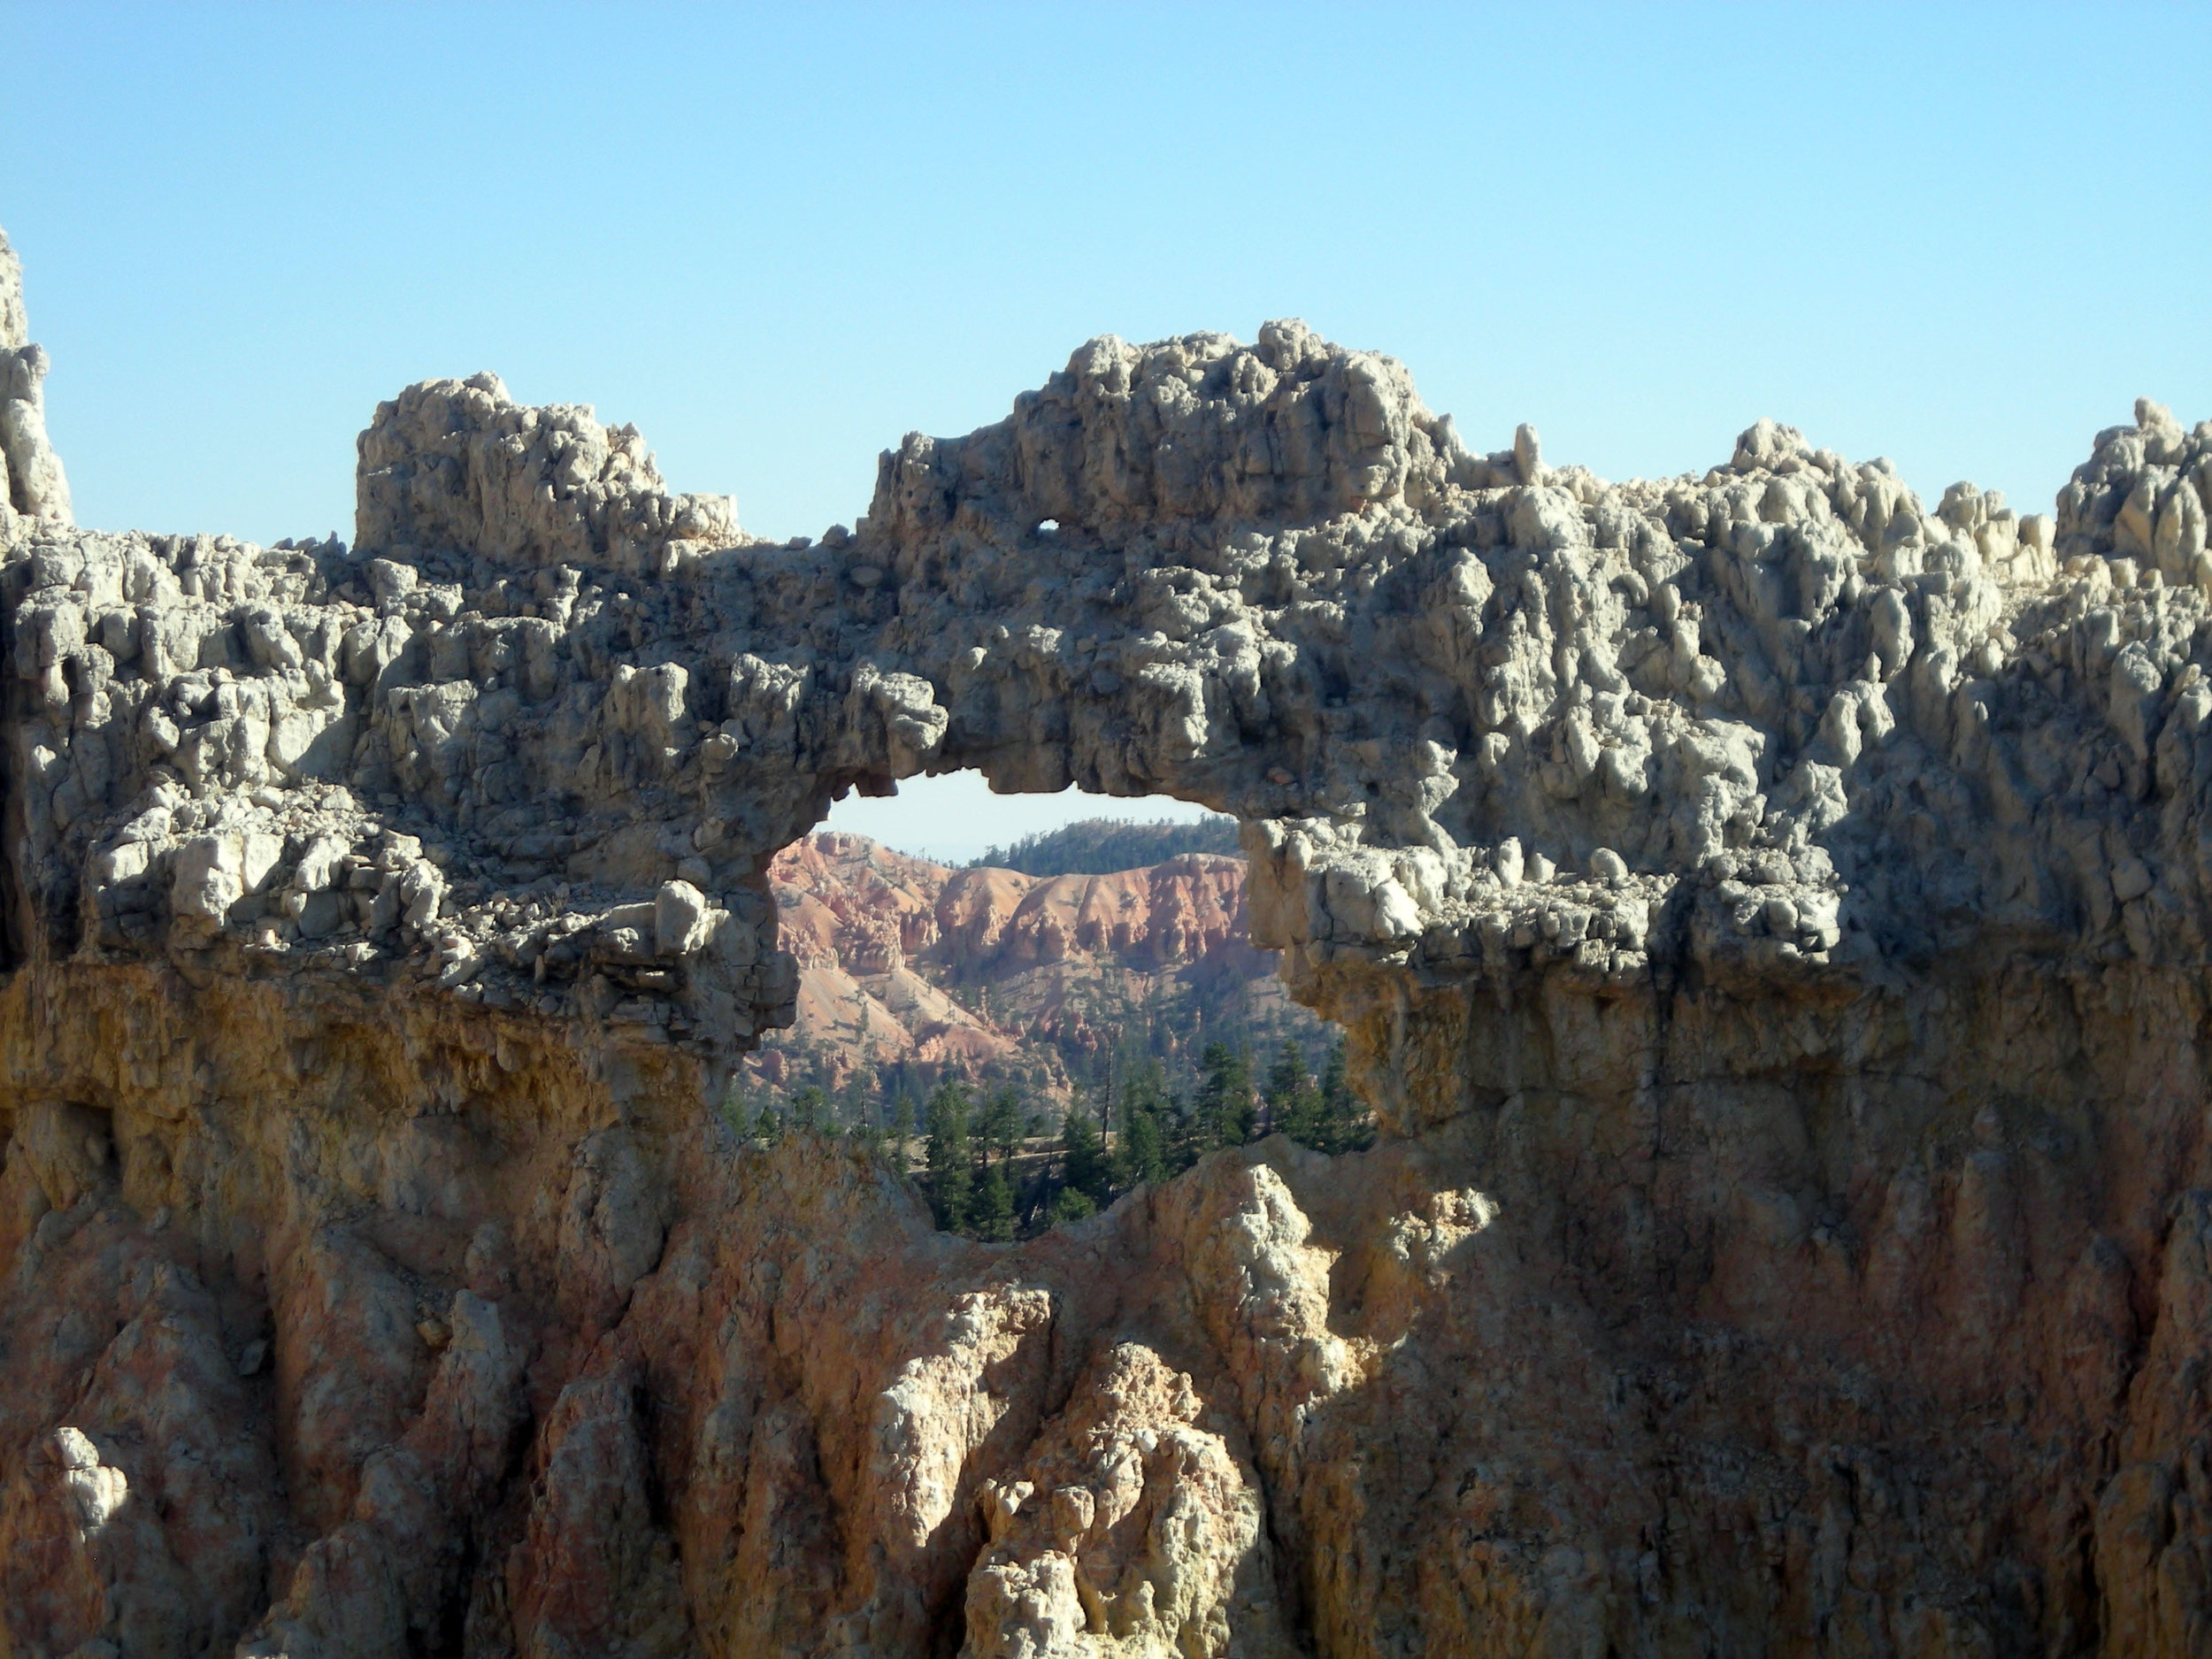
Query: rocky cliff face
point(32, 484)
point(1770, 916)
point(907, 964)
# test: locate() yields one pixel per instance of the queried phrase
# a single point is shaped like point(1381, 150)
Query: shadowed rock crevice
point(1770, 917)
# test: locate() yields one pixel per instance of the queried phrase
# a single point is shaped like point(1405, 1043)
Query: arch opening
point(1052, 958)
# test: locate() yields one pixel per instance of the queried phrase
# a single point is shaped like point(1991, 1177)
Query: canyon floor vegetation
point(992, 1164)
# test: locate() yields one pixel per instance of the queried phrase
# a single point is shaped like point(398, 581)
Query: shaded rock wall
point(1770, 916)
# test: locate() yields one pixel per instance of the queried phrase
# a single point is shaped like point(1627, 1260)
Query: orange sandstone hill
point(909, 969)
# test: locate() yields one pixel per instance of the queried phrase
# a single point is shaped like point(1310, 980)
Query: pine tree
point(1285, 1076)
point(768, 1128)
point(1224, 1112)
point(1344, 1126)
point(806, 1108)
point(1142, 1155)
point(1083, 1156)
point(1000, 1130)
point(1071, 1203)
point(951, 1182)
point(901, 1126)
point(852, 1100)
point(995, 1206)
point(1293, 1099)
point(1144, 1151)
point(860, 1116)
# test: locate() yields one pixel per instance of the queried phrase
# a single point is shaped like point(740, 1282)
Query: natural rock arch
point(1770, 916)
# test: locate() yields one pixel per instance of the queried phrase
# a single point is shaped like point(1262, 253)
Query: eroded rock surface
point(32, 484)
point(1771, 917)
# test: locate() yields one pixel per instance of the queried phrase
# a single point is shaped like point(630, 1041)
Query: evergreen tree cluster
point(989, 1170)
point(1099, 847)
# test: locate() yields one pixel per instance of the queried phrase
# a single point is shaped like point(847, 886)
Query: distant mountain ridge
point(1104, 846)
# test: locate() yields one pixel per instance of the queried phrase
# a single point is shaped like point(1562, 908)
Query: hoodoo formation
point(1770, 916)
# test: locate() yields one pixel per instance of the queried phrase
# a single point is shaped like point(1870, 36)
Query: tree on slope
point(1083, 1165)
point(952, 1181)
point(900, 1126)
point(999, 1127)
point(1226, 1115)
point(1293, 1100)
point(994, 1205)
point(1344, 1126)
point(807, 1107)
point(1145, 1109)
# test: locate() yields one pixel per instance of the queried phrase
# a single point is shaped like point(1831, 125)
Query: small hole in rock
point(1046, 526)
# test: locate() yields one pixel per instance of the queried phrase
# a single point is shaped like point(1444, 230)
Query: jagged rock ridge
point(1770, 918)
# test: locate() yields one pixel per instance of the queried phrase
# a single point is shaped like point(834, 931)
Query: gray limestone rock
point(1479, 714)
point(31, 484)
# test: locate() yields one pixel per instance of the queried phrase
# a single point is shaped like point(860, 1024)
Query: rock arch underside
point(1769, 917)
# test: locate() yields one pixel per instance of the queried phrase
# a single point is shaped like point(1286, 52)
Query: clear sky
point(956, 817)
point(776, 238)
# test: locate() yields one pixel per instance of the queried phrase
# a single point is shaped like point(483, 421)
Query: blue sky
point(776, 238)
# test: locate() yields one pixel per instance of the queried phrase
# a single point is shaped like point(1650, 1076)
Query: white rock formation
point(31, 484)
point(1771, 917)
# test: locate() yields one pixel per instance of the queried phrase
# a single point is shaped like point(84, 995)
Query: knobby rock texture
point(1770, 916)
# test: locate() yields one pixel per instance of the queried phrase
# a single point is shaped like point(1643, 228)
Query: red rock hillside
point(910, 968)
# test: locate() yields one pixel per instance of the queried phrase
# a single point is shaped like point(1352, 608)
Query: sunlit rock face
point(1770, 916)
